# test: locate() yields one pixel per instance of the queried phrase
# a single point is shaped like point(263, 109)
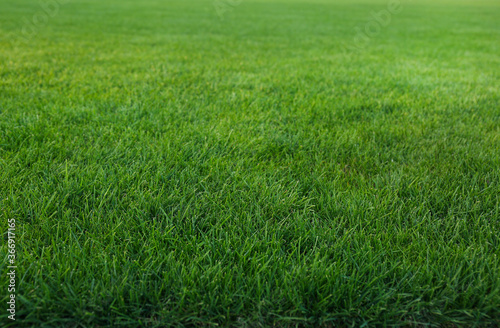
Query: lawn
point(250, 163)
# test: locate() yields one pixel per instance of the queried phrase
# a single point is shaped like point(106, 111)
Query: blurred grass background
point(167, 166)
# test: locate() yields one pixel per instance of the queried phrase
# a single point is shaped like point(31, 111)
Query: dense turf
point(167, 163)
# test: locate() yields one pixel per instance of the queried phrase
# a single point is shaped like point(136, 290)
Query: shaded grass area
point(166, 167)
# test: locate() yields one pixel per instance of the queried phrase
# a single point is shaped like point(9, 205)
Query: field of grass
point(169, 163)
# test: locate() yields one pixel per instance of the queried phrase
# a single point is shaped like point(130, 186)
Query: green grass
point(168, 167)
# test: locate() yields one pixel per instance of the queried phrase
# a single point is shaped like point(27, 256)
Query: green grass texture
point(281, 163)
